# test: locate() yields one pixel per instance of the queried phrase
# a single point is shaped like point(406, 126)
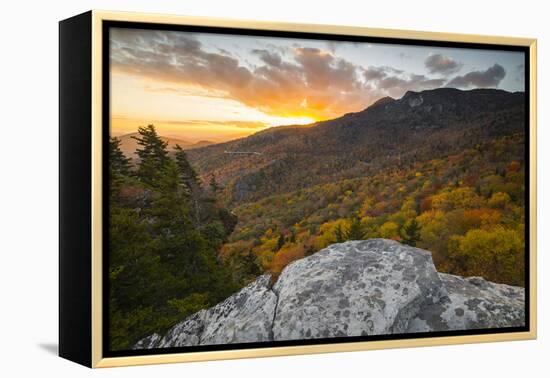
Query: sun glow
point(292, 120)
point(189, 113)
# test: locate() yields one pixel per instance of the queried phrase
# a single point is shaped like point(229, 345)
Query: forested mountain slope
point(443, 170)
point(390, 133)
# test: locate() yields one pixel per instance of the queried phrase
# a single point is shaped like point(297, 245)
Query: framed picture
point(235, 189)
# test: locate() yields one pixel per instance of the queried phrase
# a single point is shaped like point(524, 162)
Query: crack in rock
point(368, 287)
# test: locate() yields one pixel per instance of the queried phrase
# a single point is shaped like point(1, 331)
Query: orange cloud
point(329, 85)
point(299, 82)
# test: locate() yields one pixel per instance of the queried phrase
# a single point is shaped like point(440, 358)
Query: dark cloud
point(322, 70)
point(374, 73)
point(268, 57)
point(380, 72)
point(489, 78)
point(417, 82)
point(173, 56)
point(390, 81)
point(440, 64)
point(225, 52)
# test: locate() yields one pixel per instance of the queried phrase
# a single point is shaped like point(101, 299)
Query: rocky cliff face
point(356, 288)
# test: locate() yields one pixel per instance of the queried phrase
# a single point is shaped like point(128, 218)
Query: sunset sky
point(198, 86)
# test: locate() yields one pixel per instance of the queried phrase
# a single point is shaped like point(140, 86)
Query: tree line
point(165, 231)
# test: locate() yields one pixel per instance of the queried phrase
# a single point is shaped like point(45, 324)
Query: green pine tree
point(191, 182)
point(355, 231)
point(119, 168)
point(215, 188)
point(411, 233)
point(280, 242)
point(339, 234)
point(292, 237)
point(188, 175)
point(250, 266)
point(163, 266)
point(152, 154)
point(119, 163)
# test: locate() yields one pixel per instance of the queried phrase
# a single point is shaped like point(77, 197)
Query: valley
point(443, 170)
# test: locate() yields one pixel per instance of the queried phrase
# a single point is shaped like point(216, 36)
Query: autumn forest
point(188, 227)
point(232, 156)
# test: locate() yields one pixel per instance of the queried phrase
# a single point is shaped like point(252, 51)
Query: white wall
point(28, 185)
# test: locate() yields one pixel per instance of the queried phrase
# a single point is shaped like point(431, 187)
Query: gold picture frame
point(91, 24)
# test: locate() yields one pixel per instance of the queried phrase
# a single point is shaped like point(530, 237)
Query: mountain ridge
point(389, 133)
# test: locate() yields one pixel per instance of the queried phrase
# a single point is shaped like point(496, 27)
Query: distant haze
point(129, 144)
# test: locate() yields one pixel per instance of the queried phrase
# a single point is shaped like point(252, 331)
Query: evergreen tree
point(152, 154)
point(228, 219)
point(292, 237)
point(188, 175)
point(250, 266)
point(411, 233)
point(119, 167)
point(163, 266)
point(191, 182)
point(355, 231)
point(280, 242)
point(214, 186)
point(339, 234)
point(119, 163)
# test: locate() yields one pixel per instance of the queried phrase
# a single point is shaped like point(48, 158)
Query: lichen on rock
point(356, 288)
point(472, 303)
point(353, 289)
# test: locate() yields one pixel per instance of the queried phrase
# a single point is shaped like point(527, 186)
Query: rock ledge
point(357, 288)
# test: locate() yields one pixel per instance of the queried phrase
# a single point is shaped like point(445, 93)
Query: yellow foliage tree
point(285, 256)
point(499, 200)
point(389, 230)
point(326, 233)
point(459, 198)
point(496, 255)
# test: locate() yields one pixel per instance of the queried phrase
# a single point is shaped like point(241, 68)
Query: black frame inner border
point(105, 99)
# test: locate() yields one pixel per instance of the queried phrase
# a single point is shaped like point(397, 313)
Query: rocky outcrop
point(246, 316)
point(356, 288)
point(151, 341)
point(472, 303)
